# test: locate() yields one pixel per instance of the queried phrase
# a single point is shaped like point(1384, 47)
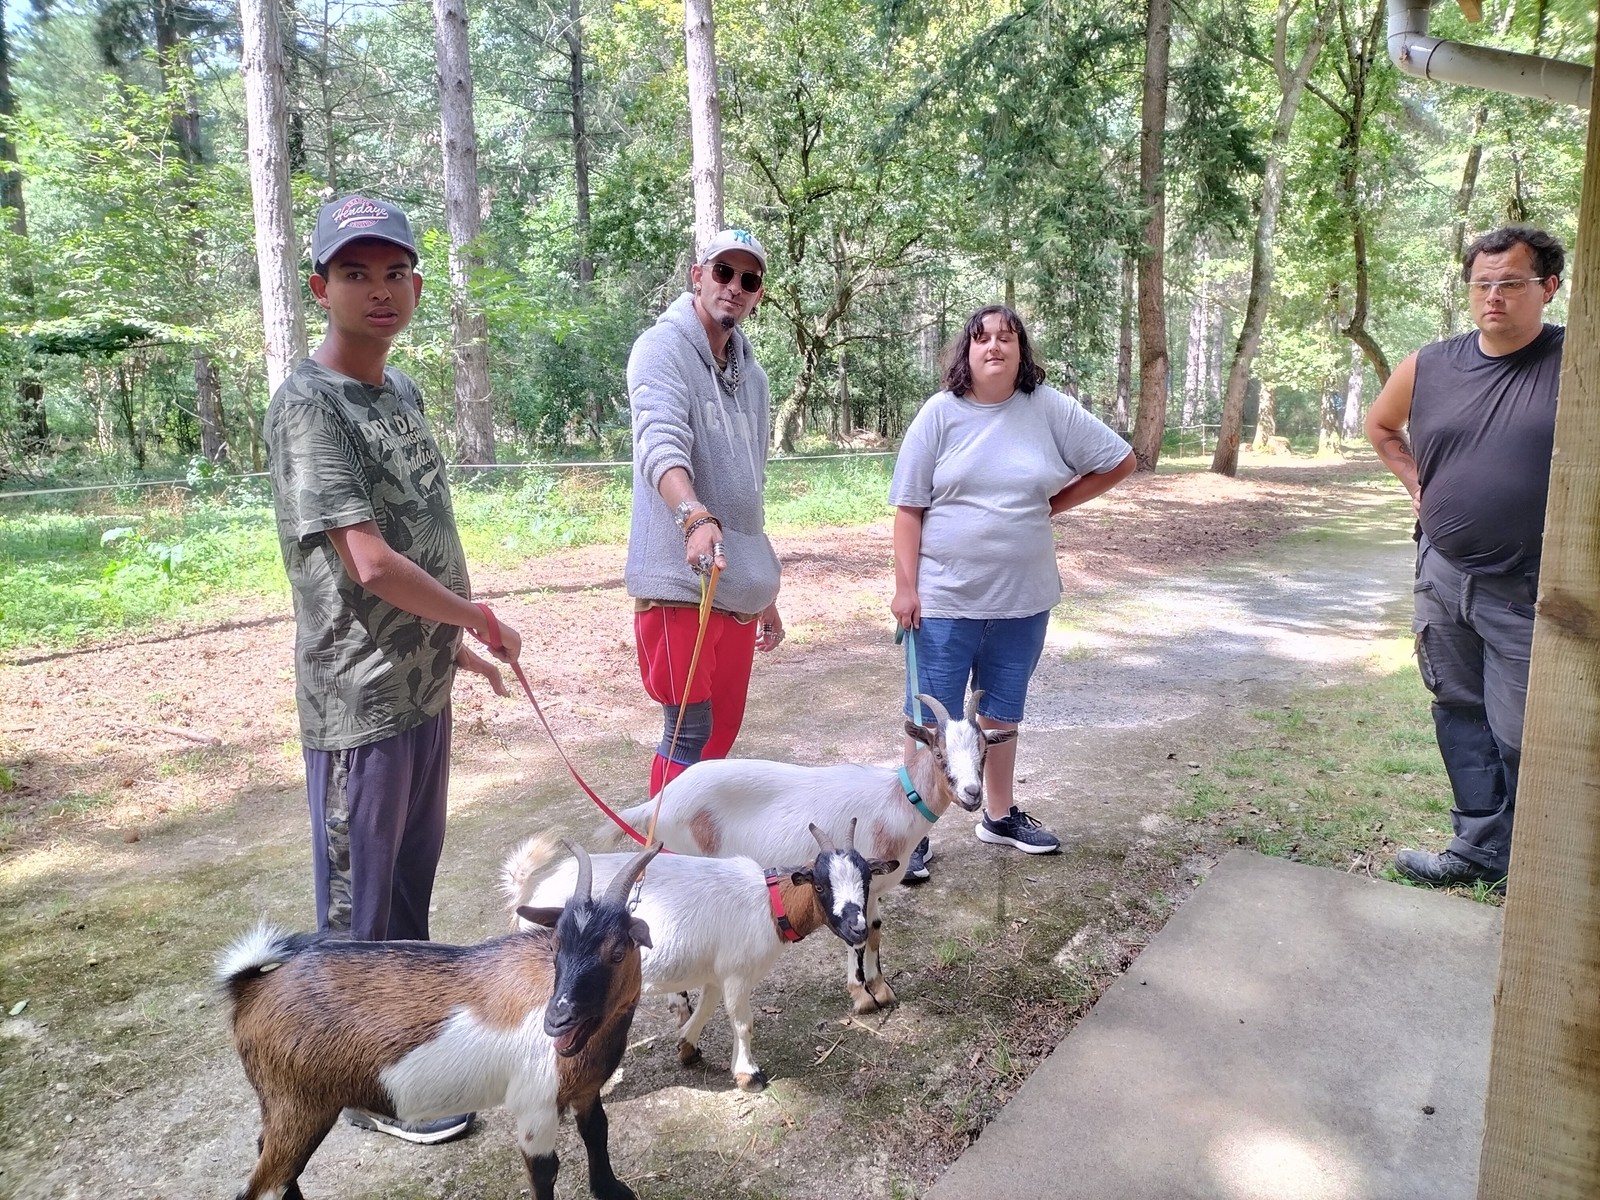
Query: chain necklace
point(728, 375)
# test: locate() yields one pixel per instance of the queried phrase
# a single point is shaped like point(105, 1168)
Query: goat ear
point(920, 732)
point(995, 736)
point(640, 932)
point(801, 876)
point(539, 916)
point(884, 866)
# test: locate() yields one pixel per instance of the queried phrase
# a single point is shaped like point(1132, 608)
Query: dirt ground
point(159, 810)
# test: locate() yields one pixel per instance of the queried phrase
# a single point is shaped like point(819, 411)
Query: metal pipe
point(1415, 53)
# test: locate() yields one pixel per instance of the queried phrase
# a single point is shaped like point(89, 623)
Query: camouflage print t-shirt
point(340, 452)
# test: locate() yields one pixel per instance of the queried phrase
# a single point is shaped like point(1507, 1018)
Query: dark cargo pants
point(377, 830)
point(1474, 636)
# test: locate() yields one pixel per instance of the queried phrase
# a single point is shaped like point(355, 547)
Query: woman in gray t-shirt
point(985, 465)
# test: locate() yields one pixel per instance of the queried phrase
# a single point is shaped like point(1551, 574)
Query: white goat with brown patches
point(537, 1021)
point(716, 923)
point(763, 810)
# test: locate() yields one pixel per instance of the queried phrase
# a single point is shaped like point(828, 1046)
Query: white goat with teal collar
point(764, 810)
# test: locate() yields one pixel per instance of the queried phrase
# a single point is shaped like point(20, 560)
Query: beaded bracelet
point(707, 519)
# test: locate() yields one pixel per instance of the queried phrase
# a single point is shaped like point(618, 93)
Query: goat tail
point(265, 948)
point(521, 869)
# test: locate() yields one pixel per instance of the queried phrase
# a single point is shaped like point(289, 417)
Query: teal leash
point(909, 637)
point(902, 634)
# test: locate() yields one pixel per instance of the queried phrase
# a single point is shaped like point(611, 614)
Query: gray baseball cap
point(350, 218)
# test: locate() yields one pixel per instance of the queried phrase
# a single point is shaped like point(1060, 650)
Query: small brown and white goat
point(537, 1021)
point(764, 810)
point(716, 924)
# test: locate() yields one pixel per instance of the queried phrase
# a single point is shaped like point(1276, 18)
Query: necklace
point(728, 375)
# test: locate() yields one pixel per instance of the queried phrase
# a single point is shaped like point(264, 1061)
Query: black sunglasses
point(748, 280)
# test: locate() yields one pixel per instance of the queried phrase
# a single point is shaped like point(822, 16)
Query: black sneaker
point(1447, 869)
point(422, 1133)
point(1018, 829)
point(917, 871)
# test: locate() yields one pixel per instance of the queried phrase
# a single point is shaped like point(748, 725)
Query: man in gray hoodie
point(701, 413)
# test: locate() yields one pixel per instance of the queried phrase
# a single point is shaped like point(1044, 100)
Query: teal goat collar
point(916, 800)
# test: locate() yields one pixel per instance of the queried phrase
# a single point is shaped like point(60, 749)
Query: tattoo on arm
point(1393, 448)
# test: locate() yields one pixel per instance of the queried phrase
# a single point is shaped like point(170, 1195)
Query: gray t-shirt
point(340, 452)
point(1483, 431)
point(985, 474)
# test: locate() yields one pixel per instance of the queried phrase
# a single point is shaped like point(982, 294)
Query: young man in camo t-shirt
point(381, 593)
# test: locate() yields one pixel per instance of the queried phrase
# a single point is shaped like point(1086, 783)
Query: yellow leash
point(708, 590)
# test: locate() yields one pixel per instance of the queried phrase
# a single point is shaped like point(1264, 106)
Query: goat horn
point(940, 712)
point(584, 888)
point(972, 705)
point(629, 875)
point(850, 838)
point(824, 840)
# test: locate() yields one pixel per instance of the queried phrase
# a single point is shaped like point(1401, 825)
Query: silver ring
point(716, 549)
point(705, 564)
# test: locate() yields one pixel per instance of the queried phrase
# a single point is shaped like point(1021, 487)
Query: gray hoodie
point(683, 417)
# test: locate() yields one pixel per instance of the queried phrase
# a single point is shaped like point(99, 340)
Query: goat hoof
point(688, 1054)
point(756, 1082)
point(881, 991)
point(862, 1001)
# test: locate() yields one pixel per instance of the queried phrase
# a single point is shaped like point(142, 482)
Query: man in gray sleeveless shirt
point(1468, 425)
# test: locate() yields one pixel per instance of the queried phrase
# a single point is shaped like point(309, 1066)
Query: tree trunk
point(33, 424)
point(1352, 395)
point(468, 329)
point(1458, 233)
point(1266, 419)
point(1194, 355)
point(705, 121)
point(1124, 392)
point(172, 60)
point(208, 407)
point(1292, 85)
point(1362, 56)
point(1153, 366)
point(580, 139)
point(277, 253)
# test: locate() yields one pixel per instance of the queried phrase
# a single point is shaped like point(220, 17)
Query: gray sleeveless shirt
point(1482, 431)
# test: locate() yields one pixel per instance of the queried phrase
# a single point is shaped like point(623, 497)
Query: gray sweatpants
point(377, 830)
point(1474, 637)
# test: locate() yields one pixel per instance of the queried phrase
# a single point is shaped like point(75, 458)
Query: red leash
point(494, 642)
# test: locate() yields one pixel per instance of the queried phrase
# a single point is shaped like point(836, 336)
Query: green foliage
point(69, 578)
point(903, 161)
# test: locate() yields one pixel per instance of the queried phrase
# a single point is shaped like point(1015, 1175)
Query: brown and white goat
point(717, 924)
point(537, 1021)
point(763, 810)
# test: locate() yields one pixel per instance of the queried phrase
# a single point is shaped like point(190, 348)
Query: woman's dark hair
point(1548, 256)
point(958, 372)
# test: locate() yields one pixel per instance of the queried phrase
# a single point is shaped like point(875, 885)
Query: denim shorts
point(997, 656)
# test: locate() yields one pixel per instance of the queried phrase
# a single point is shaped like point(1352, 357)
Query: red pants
point(664, 638)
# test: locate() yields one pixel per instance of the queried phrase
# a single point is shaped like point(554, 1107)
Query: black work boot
point(1447, 869)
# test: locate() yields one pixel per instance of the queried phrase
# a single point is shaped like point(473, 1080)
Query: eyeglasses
point(1480, 289)
point(748, 280)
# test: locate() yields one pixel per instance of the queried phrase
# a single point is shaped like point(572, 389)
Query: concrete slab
point(1294, 1033)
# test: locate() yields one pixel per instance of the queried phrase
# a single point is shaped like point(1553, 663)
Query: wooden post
point(1541, 1133)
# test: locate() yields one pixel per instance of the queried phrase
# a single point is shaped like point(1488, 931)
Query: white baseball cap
point(735, 239)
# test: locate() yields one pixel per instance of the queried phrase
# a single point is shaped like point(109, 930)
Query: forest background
point(904, 162)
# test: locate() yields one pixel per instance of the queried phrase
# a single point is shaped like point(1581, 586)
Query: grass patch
point(173, 556)
point(1342, 776)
